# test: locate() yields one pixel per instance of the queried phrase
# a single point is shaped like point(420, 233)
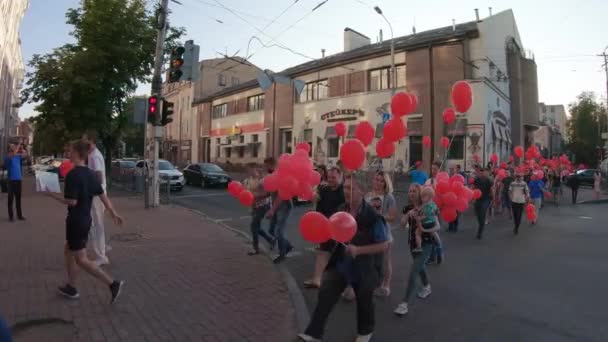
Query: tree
point(85, 85)
point(586, 116)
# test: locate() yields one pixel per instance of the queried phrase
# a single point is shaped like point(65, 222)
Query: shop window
point(333, 146)
point(456, 148)
point(313, 91)
point(219, 111)
point(380, 79)
point(255, 103)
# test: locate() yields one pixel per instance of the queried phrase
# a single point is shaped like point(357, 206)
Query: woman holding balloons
point(382, 193)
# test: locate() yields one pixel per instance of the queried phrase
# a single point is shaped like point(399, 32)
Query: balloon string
point(445, 153)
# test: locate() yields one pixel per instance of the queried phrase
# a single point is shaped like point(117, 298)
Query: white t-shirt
point(97, 164)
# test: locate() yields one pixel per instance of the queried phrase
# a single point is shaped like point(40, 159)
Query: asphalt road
point(546, 284)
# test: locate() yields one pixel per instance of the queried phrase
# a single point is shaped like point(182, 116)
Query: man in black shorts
point(81, 185)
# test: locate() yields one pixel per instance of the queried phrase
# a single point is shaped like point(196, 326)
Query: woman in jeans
point(261, 204)
point(419, 259)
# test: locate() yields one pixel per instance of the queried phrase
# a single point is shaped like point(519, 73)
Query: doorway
point(415, 149)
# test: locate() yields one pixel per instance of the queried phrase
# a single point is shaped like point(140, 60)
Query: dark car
point(206, 174)
point(122, 168)
point(585, 176)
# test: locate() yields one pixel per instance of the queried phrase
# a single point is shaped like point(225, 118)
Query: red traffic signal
point(152, 109)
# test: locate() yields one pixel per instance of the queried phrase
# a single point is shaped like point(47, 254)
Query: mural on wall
point(474, 146)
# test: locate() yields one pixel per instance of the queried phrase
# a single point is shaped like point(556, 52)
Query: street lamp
point(393, 74)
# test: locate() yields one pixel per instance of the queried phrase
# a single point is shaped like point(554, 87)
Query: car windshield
point(127, 164)
point(211, 168)
point(165, 166)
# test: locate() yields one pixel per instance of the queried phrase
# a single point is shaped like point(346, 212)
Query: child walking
point(261, 205)
point(81, 185)
point(426, 220)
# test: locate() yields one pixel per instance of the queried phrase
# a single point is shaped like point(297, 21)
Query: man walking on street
point(518, 194)
point(278, 215)
point(98, 235)
point(483, 183)
point(353, 264)
point(12, 166)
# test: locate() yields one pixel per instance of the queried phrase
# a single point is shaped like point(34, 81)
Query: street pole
point(606, 70)
point(157, 90)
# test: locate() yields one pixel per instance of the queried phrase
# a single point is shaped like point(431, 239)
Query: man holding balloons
point(278, 215)
point(352, 264)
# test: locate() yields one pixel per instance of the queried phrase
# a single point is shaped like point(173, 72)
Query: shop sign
point(342, 115)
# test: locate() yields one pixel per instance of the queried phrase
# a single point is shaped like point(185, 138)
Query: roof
point(409, 42)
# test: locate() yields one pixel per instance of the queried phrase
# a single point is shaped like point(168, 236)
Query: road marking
point(228, 219)
point(585, 217)
point(203, 195)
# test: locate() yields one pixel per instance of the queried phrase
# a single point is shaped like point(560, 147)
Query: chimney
point(381, 36)
point(490, 10)
point(322, 53)
point(454, 25)
point(477, 15)
point(354, 39)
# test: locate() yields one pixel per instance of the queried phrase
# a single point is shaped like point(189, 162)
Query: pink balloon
point(342, 226)
point(450, 199)
point(449, 116)
point(442, 177)
point(519, 151)
point(385, 148)
point(442, 187)
point(303, 146)
point(246, 198)
point(271, 183)
point(462, 204)
point(467, 193)
point(352, 154)
point(340, 129)
point(394, 129)
point(314, 227)
point(365, 132)
point(301, 153)
point(315, 178)
point(456, 187)
point(401, 104)
point(476, 194)
point(462, 96)
point(457, 178)
point(289, 185)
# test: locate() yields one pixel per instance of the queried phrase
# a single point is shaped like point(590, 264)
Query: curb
point(600, 201)
point(296, 295)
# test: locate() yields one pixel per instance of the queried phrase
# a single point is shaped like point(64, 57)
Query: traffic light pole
point(156, 90)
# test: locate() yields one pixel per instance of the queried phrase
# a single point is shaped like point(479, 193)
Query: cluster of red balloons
point(452, 196)
point(294, 176)
point(65, 168)
point(237, 190)
point(317, 228)
point(403, 104)
point(531, 212)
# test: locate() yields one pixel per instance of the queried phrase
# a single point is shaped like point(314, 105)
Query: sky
point(564, 39)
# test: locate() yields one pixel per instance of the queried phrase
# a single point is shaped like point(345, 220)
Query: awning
point(507, 134)
point(497, 131)
point(257, 143)
point(239, 145)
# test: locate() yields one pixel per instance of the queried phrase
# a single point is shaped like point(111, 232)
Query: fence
point(132, 180)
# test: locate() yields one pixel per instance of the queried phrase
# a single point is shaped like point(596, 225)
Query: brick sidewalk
point(186, 279)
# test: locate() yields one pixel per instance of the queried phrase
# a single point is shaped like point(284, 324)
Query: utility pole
point(157, 90)
point(606, 70)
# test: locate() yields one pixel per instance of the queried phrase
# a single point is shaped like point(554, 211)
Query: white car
point(166, 170)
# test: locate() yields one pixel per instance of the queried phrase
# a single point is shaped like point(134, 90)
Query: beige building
point(11, 66)
point(182, 135)
point(554, 116)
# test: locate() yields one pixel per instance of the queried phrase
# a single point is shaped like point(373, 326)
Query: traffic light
point(152, 109)
point(177, 61)
point(167, 113)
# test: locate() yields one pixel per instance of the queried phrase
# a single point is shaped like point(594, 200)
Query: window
point(241, 151)
point(552, 109)
point(308, 139)
point(242, 139)
point(333, 145)
point(255, 103)
point(219, 111)
point(218, 143)
point(456, 148)
point(286, 141)
point(228, 152)
point(380, 79)
point(314, 91)
point(221, 80)
point(235, 81)
point(254, 147)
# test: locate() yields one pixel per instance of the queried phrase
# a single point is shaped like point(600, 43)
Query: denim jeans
point(278, 224)
point(453, 226)
point(418, 269)
point(256, 227)
point(518, 209)
point(481, 209)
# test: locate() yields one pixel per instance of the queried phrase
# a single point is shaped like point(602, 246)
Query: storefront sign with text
point(342, 115)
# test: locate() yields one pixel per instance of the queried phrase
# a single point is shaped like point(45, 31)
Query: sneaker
point(69, 291)
point(116, 289)
point(363, 338)
point(382, 292)
point(401, 309)
point(307, 338)
point(279, 259)
point(425, 292)
point(417, 250)
point(21, 218)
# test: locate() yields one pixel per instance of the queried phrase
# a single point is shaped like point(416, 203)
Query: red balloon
point(314, 227)
point(471, 180)
point(246, 198)
point(501, 174)
point(457, 178)
point(462, 205)
point(449, 116)
point(442, 187)
point(315, 178)
point(352, 154)
point(530, 208)
point(442, 177)
point(494, 158)
point(540, 174)
point(303, 146)
point(445, 142)
point(456, 187)
point(65, 168)
point(414, 102)
point(340, 129)
point(401, 103)
point(394, 129)
point(426, 141)
point(450, 199)
point(449, 214)
point(342, 226)
point(235, 188)
point(285, 163)
point(511, 158)
point(476, 194)
point(285, 194)
point(271, 183)
point(519, 151)
point(467, 193)
point(462, 96)
point(365, 132)
point(548, 194)
point(289, 185)
point(385, 148)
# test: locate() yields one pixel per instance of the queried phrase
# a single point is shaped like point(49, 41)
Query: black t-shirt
point(557, 181)
point(506, 182)
point(485, 186)
point(330, 200)
point(81, 184)
point(426, 237)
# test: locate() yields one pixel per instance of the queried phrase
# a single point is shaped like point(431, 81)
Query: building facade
point(245, 123)
point(12, 68)
point(554, 116)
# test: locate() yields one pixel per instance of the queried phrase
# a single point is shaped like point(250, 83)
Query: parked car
point(122, 167)
point(166, 169)
point(585, 176)
point(206, 174)
point(53, 166)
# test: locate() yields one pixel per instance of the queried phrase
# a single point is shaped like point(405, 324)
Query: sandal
point(310, 284)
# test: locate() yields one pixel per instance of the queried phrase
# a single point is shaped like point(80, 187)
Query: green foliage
point(85, 85)
point(583, 133)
